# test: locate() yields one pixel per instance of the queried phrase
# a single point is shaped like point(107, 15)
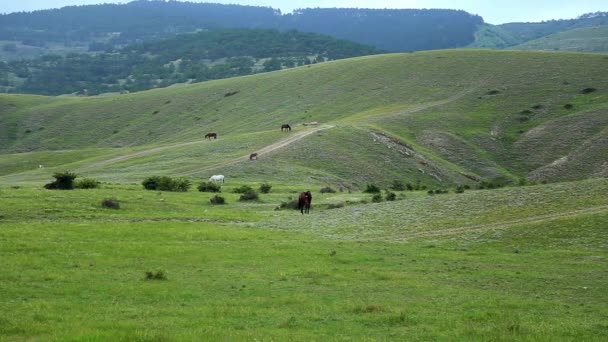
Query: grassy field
point(524, 263)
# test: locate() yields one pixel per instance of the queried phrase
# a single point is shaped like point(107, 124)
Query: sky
point(493, 12)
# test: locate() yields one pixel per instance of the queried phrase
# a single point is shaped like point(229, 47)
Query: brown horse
point(304, 202)
point(253, 156)
point(285, 127)
point(211, 135)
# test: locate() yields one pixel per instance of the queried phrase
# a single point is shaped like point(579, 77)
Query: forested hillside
point(99, 27)
point(186, 58)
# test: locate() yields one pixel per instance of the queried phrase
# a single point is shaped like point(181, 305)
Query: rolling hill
point(588, 39)
point(439, 118)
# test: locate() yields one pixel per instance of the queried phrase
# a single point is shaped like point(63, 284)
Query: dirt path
point(267, 149)
point(492, 226)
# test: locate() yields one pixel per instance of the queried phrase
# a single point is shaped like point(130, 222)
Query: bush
point(249, 196)
point(459, 189)
point(87, 183)
point(217, 199)
point(390, 196)
point(372, 189)
point(588, 90)
point(209, 187)
point(110, 203)
point(327, 190)
point(538, 106)
point(290, 204)
point(165, 183)
point(398, 185)
point(160, 275)
point(493, 92)
point(63, 181)
point(568, 106)
point(377, 198)
point(409, 187)
point(265, 188)
point(242, 189)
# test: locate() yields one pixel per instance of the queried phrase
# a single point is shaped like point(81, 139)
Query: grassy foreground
point(531, 266)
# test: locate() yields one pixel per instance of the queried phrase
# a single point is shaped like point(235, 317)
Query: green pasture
point(527, 263)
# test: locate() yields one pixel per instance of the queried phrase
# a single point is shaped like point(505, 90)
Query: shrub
point(110, 203)
point(377, 198)
point(249, 196)
point(290, 204)
point(63, 181)
point(242, 189)
point(568, 106)
point(390, 196)
point(87, 183)
point(398, 185)
point(165, 183)
point(538, 106)
point(160, 275)
point(209, 187)
point(459, 189)
point(493, 92)
point(217, 199)
point(326, 190)
point(588, 90)
point(265, 188)
point(409, 187)
point(372, 188)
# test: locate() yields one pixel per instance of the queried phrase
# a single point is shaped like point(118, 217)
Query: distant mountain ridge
point(392, 30)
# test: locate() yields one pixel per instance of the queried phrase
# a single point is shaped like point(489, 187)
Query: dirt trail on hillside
point(267, 149)
point(493, 226)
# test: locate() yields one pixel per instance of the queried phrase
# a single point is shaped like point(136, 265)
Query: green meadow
point(523, 259)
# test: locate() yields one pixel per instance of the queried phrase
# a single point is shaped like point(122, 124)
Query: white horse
point(217, 178)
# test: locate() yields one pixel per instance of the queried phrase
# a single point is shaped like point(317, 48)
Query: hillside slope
point(440, 118)
point(588, 39)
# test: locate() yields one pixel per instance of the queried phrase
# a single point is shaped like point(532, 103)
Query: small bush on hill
point(390, 196)
point(460, 189)
point(398, 185)
point(209, 187)
point(250, 195)
point(588, 90)
point(289, 204)
point(326, 190)
point(372, 188)
point(493, 92)
point(63, 181)
point(538, 106)
point(377, 198)
point(568, 106)
point(160, 275)
point(165, 183)
point(242, 189)
point(217, 199)
point(110, 203)
point(265, 188)
point(87, 183)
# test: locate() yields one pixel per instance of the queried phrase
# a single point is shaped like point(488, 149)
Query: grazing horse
point(253, 156)
point(285, 127)
point(304, 202)
point(217, 178)
point(211, 135)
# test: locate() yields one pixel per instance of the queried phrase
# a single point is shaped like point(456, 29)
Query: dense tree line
point(194, 57)
point(109, 26)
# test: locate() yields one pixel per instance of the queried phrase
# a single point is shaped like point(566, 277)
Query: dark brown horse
point(211, 135)
point(285, 127)
point(253, 156)
point(304, 202)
